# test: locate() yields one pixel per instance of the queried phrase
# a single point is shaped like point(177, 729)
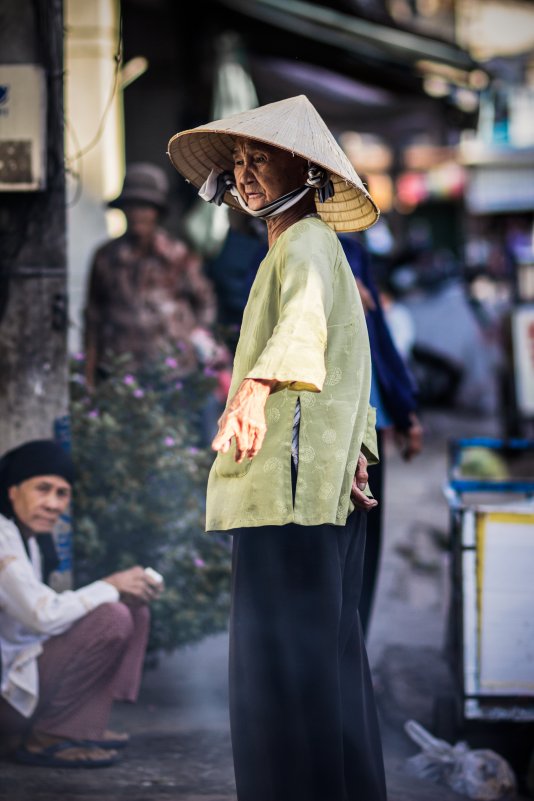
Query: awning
point(347, 103)
point(362, 37)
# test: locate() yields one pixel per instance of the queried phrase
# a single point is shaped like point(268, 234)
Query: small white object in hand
point(154, 575)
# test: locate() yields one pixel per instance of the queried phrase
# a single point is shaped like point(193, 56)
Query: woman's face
point(38, 502)
point(264, 173)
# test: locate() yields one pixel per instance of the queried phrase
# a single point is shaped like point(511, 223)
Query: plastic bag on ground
point(480, 774)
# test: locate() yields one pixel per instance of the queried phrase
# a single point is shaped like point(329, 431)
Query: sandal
point(49, 757)
point(114, 739)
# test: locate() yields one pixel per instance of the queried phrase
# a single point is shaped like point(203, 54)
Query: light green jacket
point(304, 326)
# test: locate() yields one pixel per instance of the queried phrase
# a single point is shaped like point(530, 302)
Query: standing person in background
point(148, 296)
point(289, 482)
point(244, 247)
point(147, 292)
point(394, 396)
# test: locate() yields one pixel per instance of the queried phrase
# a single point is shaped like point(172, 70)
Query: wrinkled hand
point(244, 419)
point(366, 297)
point(135, 586)
point(359, 483)
point(410, 441)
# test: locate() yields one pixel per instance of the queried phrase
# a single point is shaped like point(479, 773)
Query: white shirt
point(31, 612)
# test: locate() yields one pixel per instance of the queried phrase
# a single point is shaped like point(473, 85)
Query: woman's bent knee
point(114, 620)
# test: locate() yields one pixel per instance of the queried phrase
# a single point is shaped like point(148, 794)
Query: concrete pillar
point(94, 139)
point(33, 377)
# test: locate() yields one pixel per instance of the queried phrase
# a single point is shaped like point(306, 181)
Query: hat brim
point(194, 153)
point(144, 199)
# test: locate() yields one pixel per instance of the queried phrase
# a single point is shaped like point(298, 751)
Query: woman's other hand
point(359, 483)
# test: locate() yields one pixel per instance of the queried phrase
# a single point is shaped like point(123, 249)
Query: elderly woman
point(65, 656)
point(289, 481)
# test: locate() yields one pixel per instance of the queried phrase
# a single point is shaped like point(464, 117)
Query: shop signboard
point(500, 189)
point(497, 600)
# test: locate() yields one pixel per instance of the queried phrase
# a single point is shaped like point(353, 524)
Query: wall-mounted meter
point(22, 127)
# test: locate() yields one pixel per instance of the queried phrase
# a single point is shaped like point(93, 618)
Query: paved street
point(180, 749)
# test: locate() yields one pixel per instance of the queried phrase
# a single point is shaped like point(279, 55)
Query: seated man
point(65, 657)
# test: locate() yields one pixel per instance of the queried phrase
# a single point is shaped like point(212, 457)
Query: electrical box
point(22, 128)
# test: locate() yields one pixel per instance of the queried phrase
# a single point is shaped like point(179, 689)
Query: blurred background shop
point(432, 101)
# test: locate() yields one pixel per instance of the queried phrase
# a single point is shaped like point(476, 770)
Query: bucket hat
point(294, 125)
point(143, 183)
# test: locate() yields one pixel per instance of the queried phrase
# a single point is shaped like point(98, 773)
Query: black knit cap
point(39, 457)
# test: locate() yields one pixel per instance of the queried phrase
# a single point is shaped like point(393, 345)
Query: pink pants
point(81, 672)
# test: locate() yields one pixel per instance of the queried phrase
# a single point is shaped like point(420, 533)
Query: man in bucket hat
point(290, 481)
point(147, 291)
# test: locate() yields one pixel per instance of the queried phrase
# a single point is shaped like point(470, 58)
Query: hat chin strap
point(275, 207)
point(217, 184)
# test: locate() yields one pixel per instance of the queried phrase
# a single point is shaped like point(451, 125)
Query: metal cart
point(491, 621)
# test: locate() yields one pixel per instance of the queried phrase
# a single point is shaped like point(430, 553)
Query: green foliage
point(140, 493)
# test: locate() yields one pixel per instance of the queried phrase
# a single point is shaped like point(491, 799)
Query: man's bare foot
point(115, 736)
point(38, 742)
point(110, 739)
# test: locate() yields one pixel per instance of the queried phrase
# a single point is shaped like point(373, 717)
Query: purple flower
point(171, 362)
point(178, 385)
point(78, 357)
point(210, 372)
point(129, 379)
point(93, 414)
point(139, 393)
point(192, 450)
point(169, 442)
point(199, 562)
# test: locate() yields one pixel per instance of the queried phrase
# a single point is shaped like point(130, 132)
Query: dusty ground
point(180, 748)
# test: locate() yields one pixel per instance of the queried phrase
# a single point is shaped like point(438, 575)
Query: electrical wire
point(75, 172)
point(118, 58)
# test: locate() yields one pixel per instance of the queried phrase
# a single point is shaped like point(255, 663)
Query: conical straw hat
point(294, 125)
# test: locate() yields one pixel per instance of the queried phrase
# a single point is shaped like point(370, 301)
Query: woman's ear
point(12, 494)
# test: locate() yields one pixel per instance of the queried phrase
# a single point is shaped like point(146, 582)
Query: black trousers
point(302, 710)
point(373, 541)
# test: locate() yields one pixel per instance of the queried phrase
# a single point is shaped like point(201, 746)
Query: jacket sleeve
point(397, 387)
point(37, 606)
point(369, 442)
point(295, 353)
